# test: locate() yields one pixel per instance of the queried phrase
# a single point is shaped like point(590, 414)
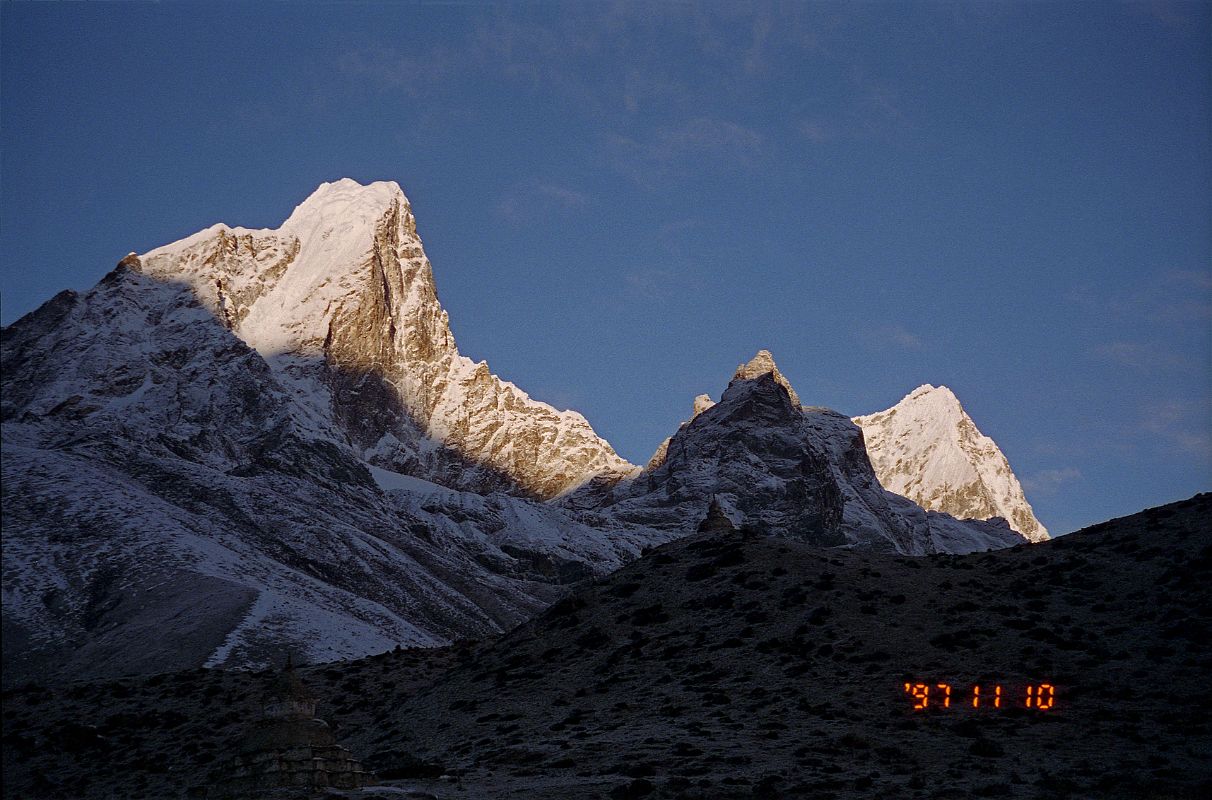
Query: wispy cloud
point(1143, 356)
point(562, 196)
point(818, 130)
point(387, 69)
point(678, 149)
point(655, 284)
point(1182, 424)
point(1169, 13)
point(893, 337)
point(758, 37)
point(536, 199)
point(872, 109)
point(612, 63)
point(1049, 481)
point(1174, 295)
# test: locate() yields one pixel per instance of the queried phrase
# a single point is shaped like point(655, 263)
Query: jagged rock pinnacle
point(763, 364)
point(759, 365)
point(702, 403)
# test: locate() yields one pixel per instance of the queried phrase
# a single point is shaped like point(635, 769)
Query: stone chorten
point(716, 520)
point(288, 747)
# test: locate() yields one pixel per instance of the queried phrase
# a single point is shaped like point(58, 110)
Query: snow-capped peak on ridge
point(928, 449)
point(756, 367)
point(346, 200)
point(940, 395)
point(341, 300)
point(787, 470)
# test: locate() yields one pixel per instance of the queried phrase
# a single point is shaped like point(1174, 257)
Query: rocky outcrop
point(928, 449)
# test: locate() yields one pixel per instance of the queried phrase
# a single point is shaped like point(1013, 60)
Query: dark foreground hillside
point(741, 666)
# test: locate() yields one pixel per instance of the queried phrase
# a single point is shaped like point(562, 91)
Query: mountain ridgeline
point(258, 439)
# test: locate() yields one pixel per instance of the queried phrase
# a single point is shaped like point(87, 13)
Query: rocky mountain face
point(783, 469)
point(259, 440)
point(928, 449)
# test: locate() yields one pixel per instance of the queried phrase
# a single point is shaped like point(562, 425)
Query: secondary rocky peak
point(763, 364)
point(759, 365)
point(767, 462)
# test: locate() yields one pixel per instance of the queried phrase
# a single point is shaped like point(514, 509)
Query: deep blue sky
point(623, 202)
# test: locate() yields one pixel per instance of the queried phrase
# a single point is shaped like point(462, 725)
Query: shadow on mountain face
point(740, 666)
point(101, 349)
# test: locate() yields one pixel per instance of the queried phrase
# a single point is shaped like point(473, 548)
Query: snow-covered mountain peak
point(763, 364)
point(341, 301)
point(346, 201)
point(939, 396)
point(928, 449)
point(933, 406)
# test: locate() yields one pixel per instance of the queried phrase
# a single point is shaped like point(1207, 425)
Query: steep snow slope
point(340, 300)
point(781, 468)
point(927, 448)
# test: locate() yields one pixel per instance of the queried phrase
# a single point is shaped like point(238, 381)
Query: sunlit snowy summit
point(928, 449)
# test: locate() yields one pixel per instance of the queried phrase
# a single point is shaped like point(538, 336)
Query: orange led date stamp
point(927, 696)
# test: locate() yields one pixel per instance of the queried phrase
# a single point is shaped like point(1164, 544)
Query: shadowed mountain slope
point(734, 666)
point(164, 507)
point(738, 666)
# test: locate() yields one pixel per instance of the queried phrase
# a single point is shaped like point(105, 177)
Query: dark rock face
point(750, 448)
point(782, 469)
